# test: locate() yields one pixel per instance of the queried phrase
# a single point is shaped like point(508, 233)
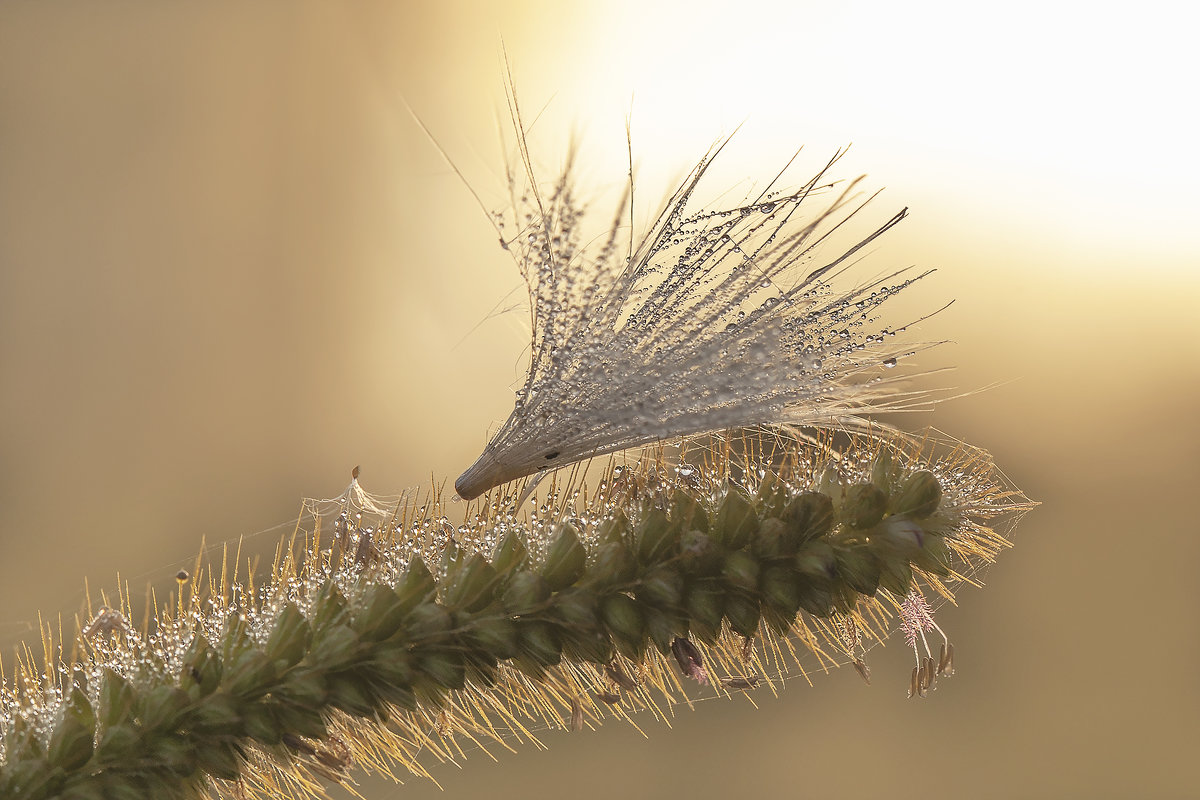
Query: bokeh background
point(232, 267)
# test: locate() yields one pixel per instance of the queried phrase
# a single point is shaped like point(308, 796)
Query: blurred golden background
point(232, 267)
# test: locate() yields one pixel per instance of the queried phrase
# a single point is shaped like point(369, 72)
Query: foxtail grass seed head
point(663, 581)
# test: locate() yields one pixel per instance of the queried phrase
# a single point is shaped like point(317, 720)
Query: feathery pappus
point(712, 319)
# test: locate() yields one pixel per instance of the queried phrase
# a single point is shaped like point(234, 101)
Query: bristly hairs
point(713, 319)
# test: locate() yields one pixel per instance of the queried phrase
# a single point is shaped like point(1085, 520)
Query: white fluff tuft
point(713, 319)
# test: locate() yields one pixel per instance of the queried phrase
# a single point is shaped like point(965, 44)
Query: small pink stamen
point(916, 617)
point(691, 663)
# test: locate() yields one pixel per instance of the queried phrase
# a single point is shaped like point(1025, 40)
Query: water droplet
point(889, 362)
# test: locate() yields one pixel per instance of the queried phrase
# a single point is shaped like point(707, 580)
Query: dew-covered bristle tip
point(713, 318)
point(388, 638)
